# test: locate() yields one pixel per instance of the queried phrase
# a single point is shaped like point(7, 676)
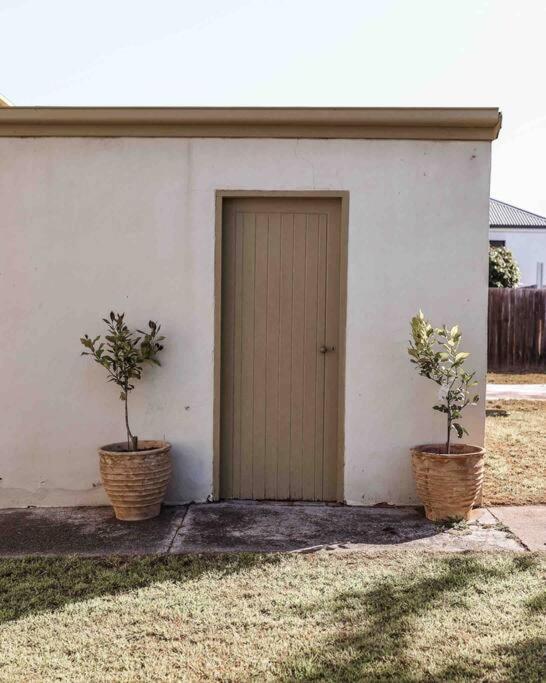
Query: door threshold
point(292, 503)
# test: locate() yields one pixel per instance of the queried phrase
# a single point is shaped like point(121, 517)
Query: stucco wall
point(529, 248)
point(90, 225)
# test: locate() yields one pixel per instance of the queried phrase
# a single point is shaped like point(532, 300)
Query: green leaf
point(461, 356)
point(459, 429)
point(120, 354)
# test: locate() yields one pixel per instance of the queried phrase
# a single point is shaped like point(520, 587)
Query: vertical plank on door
point(321, 337)
point(272, 355)
point(247, 369)
point(310, 357)
point(297, 395)
point(260, 346)
point(228, 336)
point(238, 357)
point(285, 353)
point(331, 403)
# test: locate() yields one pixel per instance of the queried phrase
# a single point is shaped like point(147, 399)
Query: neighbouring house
point(524, 233)
point(283, 251)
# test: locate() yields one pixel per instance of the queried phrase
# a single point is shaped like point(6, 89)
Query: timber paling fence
point(516, 330)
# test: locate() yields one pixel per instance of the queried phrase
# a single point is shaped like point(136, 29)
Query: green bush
point(435, 352)
point(122, 355)
point(503, 269)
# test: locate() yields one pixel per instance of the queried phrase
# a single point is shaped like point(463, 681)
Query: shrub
point(436, 353)
point(503, 269)
point(123, 356)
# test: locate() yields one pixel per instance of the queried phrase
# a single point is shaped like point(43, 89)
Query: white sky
point(293, 52)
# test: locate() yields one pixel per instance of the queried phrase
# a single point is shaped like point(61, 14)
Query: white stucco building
point(283, 251)
point(524, 233)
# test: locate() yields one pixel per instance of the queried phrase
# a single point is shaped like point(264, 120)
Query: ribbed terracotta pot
point(448, 485)
point(136, 481)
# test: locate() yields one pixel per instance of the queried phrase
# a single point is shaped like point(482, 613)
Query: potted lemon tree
point(134, 472)
point(448, 475)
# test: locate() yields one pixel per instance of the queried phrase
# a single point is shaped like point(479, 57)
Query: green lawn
point(515, 441)
point(515, 378)
point(347, 617)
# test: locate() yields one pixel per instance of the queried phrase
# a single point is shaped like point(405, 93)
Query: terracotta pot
point(136, 481)
point(448, 485)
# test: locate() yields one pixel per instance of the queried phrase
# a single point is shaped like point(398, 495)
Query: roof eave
point(240, 122)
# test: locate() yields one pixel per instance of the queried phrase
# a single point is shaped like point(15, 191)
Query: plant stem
point(449, 418)
point(129, 435)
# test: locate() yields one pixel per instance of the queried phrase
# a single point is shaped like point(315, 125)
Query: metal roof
point(503, 215)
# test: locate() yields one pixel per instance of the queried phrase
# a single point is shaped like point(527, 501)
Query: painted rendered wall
point(529, 248)
point(94, 224)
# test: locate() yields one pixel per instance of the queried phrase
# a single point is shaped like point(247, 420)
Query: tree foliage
point(436, 353)
point(503, 268)
point(123, 355)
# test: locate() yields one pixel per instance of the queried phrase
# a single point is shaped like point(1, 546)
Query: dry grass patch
point(508, 378)
point(516, 453)
point(399, 616)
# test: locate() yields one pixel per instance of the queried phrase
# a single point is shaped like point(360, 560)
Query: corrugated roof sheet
point(508, 216)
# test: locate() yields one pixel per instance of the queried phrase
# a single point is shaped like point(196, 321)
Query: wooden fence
point(517, 330)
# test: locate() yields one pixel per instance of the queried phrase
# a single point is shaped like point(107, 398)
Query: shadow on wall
point(191, 478)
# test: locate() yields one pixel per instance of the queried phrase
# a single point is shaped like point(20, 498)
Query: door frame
point(220, 196)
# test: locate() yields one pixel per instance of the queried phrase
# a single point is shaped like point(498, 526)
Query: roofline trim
point(517, 228)
point(253, 122)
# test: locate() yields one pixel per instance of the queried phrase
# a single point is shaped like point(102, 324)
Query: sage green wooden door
point(280, 357)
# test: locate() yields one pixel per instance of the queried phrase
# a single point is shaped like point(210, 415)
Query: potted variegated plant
point(448, 475)
point(134, 472)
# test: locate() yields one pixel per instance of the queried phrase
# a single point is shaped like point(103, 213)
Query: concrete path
point(534, 392)
point(85, 531)
point(527, 523)
point(257, 527)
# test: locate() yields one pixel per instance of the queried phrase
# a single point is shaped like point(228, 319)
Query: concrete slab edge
point(516, 537)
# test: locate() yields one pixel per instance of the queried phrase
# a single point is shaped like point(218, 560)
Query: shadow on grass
point(377, 628)
point(524, 661)
point(538, 603)
point(33, 585)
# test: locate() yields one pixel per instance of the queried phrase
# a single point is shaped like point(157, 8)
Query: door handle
point(326, 349)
